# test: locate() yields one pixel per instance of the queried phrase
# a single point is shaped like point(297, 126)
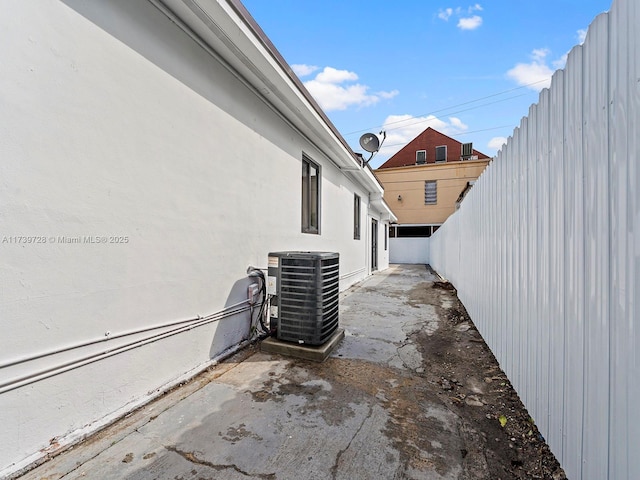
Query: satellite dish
point(370, 142)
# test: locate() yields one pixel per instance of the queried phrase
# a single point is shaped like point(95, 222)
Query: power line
point(482, 130)
point(422, 120)
point(455, 106)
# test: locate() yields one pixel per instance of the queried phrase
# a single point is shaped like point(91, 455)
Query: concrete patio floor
point(367, 412)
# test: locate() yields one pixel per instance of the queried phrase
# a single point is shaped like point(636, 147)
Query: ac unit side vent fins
point(308, 286)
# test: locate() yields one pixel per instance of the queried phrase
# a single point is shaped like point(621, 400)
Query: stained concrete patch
point(236, 433)
point(373, 350)
point(410, 356)
point(300, 429)
point(380, 322)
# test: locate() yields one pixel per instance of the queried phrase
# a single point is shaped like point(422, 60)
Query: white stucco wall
point(383, 246)
point(129, 130)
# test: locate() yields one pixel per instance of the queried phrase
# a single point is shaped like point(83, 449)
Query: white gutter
point(386, 213)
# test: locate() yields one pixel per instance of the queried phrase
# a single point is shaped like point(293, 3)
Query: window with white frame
point(421, 157)
point(356, 217)
point(430, 192)
point(386, 237)
point(441, 153)
point(310, 196)
point(467, 150)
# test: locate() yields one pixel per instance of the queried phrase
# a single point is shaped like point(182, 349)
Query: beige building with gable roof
point(426, 179)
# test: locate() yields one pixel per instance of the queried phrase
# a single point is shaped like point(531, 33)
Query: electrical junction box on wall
point(305, 288)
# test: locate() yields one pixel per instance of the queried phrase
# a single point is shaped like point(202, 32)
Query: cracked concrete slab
point(364, 413)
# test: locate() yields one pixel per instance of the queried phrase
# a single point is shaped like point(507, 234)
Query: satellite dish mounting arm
point(371, 143)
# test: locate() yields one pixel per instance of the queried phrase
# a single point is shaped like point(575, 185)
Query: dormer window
point(421, 157)
point(467, 150)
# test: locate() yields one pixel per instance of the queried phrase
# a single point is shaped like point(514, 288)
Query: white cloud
point(401, 129)
point(388, 95)
point(539, 54)
point(445, 14)
point(332, 91)
point(562, 61)
point(457, 124)
point(582, 35)
point(332, 75)
point(535, 75)
point(470, 23)
point(496, 143)
point(304, 70)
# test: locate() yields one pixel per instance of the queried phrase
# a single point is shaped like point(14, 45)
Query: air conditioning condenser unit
point(305, 289)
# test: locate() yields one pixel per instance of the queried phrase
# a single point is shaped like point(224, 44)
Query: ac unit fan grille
point(308, 299)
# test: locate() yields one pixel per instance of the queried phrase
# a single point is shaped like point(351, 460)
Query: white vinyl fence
point(545, 254)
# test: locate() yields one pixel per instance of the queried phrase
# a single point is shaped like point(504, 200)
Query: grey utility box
point(305, 288)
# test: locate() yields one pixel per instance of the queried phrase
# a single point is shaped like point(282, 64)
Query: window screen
point(441, 153)
point(467, 150)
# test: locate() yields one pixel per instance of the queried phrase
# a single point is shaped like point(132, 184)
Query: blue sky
point(470, 70)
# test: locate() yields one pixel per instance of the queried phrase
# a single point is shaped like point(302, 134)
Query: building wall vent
point(306, 287)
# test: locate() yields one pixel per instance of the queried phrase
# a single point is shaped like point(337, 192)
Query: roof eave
point(229, 31)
